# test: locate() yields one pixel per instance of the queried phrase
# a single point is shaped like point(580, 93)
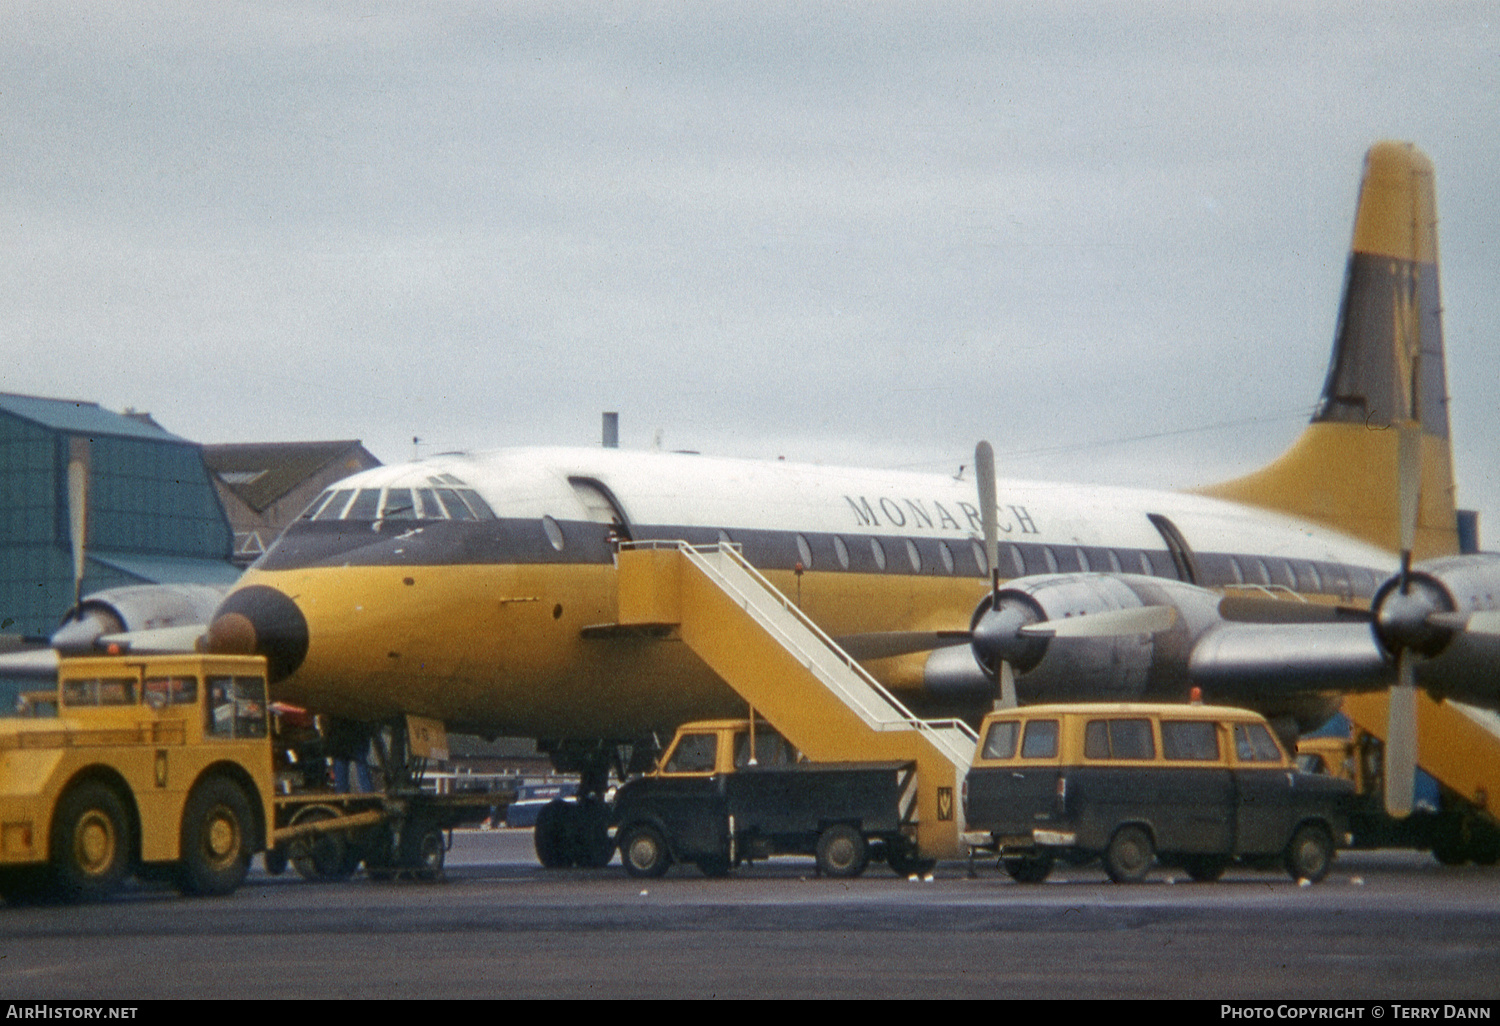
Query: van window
point(1040, 740)
point(1196, 740)
point(1118, 739)
point(1000, 742)
point(1253, 743)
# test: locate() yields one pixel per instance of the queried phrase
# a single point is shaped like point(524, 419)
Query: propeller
point(78, 511)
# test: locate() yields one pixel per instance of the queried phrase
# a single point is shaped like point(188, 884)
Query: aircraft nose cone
point(257, 620)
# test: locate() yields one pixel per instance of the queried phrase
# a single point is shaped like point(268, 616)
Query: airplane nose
point(257, 620)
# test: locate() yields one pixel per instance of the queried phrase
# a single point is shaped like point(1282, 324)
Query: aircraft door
point(601, 505)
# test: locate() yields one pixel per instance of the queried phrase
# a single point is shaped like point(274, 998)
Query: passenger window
point(1193, 740)
point(1000, 742)
point(1118, 739)
point(1040, 740)
point(842, 551)
point(804, 552)
point(554, 533)
point(878, 551)
point(1051, 559)
point(913, 556)
point(1016, 561)
point(946, 555)
point(695, 753)
point(1253, 743)
point(979, 558)
point(1083, 560)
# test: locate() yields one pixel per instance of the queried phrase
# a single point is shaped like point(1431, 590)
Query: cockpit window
point(454, 505)
point(364, 505)
point(331, 509)
point(398, 505)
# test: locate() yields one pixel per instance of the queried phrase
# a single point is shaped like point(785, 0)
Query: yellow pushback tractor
point(159, 764)
point(163, 766)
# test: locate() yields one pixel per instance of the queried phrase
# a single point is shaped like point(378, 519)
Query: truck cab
point(731, 791)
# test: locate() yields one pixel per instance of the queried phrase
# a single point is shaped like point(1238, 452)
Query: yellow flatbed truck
point(163, 766)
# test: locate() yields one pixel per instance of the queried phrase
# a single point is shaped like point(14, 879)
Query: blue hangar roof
point(82, 418)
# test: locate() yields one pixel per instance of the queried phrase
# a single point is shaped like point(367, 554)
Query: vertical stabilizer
point(1386, 374)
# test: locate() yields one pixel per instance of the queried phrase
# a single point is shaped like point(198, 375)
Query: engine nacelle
point(1117, 667)
point(134, 608)
point(1457, 663)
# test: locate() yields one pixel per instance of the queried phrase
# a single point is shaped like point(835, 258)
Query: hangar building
point(154, 516)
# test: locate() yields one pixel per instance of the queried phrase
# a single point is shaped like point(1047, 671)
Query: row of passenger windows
point(447, 498)
point(1132, 739)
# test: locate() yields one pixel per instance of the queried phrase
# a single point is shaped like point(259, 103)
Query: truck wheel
point(593, 848)
point(1129, 855)
point(424, 851)
point(644, 852)
point(322, 857)
point(842, 851)
point(217, 832)
point(91, 843)
point(1205, 868)
point(714, 866)
point(1309, 856)
point(1029, 869)
point(903, 858)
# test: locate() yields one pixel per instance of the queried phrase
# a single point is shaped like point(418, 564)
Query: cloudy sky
point(1110, 238)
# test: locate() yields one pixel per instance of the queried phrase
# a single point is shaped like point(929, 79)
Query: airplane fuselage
point(459, 587)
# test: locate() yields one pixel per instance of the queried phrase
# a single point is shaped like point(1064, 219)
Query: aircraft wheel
point(553, 836)
point(217, 834)
point(593, 848)
point(1206, 868)
point(842, 851)
point(91, 843)
point(1309, 856)
point(644, 851)
point(1130, 854)
point(1484, 842)
point(1029, 869)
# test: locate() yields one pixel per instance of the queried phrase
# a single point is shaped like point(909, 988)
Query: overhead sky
point(1109, 238)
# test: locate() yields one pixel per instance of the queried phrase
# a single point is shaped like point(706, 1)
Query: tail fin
point(1387, 370)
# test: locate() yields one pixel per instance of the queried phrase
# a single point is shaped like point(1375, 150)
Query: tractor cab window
point(236, 707)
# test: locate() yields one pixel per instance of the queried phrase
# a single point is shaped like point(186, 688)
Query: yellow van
point(1193, 786)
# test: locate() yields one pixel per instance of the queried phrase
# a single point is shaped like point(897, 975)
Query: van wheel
point(1129, 855)
point(644, 852)
point(842, 851)
point(714, 866)
point(217, 831)
point(1309, 856)
point(91, 843)
point(1205, 868)
point(1029, 869)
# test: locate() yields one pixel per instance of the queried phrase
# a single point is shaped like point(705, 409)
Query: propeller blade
point(1401, 741)
point(78, 510)
point(1007, 699)
point(1254, 609)
point(984, 472)
point(1409, 491)
point(884, 644)
point(1143, 620)
point(1486, 622)
point(157, 639)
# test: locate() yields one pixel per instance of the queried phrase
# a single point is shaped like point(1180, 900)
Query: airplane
point(478, 589)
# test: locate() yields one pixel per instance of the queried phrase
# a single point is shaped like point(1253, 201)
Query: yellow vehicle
point(159, 765)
